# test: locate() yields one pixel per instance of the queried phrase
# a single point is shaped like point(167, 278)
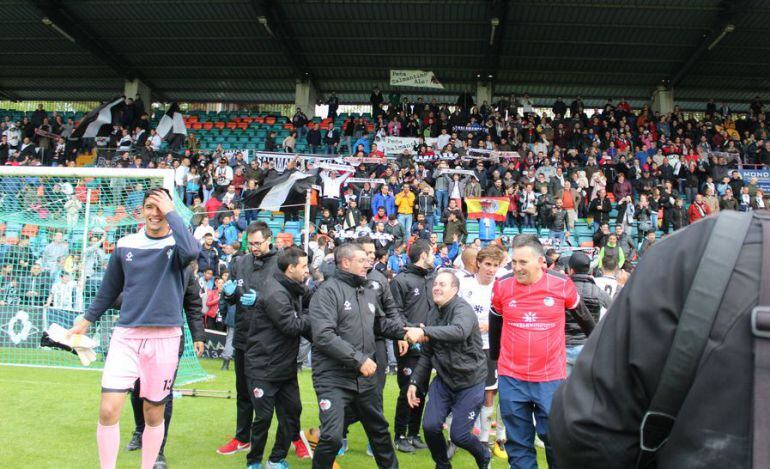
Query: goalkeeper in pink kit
point(147, 267)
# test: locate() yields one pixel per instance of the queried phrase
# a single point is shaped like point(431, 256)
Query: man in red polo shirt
point(527, 331)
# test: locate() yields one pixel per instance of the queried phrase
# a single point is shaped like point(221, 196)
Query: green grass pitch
point(49, 421)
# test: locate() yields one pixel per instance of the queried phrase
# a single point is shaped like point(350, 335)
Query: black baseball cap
point(579, 262)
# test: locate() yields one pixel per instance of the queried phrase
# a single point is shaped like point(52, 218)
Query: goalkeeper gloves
point(56, 336)
point(248, 299)
point(229, 287)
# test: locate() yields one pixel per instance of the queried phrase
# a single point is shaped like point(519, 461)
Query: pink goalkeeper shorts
point(150, 354)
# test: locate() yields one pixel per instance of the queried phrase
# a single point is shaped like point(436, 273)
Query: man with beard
point(271, 356)
point(248, 275)
point(411, 290)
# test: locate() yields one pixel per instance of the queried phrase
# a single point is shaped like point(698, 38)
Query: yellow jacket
point(405, 203)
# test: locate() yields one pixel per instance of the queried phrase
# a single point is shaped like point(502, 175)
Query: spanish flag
point(487, 207)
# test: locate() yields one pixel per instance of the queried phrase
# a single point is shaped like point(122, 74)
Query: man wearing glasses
point(248, 273)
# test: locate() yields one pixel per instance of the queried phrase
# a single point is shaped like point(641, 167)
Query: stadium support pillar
point(305, 97)
point(134, 88)
point(483, 92)
point(663, 99)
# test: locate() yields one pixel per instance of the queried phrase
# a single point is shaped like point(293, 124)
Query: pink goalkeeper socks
point(108, 441)
point(152, 438)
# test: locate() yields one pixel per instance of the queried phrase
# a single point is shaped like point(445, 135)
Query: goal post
point(58, 227)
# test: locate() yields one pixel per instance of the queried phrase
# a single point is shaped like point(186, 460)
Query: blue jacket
point(440, 261)
point(365, 142)
point(387, 201)
point(228, 234)
point(396, 262)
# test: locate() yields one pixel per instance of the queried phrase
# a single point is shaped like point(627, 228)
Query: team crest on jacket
point(416, 292)
point(325, 404)
point(347, 306)
point(548, 301)
point(371, 308)
point(407, 371)
point(258, 392)
point(375, 285)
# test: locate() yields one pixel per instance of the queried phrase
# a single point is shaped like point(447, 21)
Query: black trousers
point(407, 421)
point(137, 405)
point(244, 422)
point(283, 398)
point(367, 404)
point(381, 359)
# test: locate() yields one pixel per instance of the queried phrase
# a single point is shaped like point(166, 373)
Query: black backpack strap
point(698, 314)
point(760, 328)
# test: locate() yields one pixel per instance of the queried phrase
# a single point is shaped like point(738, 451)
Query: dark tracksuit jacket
point(455, 351)
point(248, 272)
point(597, 412)
point(271, 363)
point(412, 291)
point(345, 316)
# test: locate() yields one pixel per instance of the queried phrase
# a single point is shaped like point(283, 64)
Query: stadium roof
point(254, 50)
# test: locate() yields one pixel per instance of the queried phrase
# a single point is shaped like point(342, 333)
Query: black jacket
point(600, 210)
point(345, 316)
point(594, 299)
point(412, 292)
point(455, 349)
point(276, 325)
point(249, 273)
point(619, 369)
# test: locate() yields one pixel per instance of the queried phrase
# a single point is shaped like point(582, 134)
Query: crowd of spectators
point(628, 171)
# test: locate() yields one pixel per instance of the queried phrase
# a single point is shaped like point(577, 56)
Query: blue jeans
point(519, 400)
point(429, 222)
point(207, 194)
point(557, 236)
point(464, 404)
point(189, 196)
point(442, 202)
point(406, 222)
point(572, 354)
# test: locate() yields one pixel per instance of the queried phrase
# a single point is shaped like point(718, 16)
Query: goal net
point(58, 227)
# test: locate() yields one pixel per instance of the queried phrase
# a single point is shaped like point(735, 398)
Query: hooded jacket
point(411, 291)
point(276, 325)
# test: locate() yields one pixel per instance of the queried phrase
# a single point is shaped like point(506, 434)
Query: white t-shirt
point(610, 286)
point(480, 298)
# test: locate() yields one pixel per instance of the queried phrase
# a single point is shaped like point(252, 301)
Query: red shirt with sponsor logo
point(532, 345)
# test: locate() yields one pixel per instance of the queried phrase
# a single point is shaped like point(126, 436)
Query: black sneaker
point(451, 449)
point(160, 463)
point(225, 365)
point(417, 442)
point(135, 443)
point(402, 444)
